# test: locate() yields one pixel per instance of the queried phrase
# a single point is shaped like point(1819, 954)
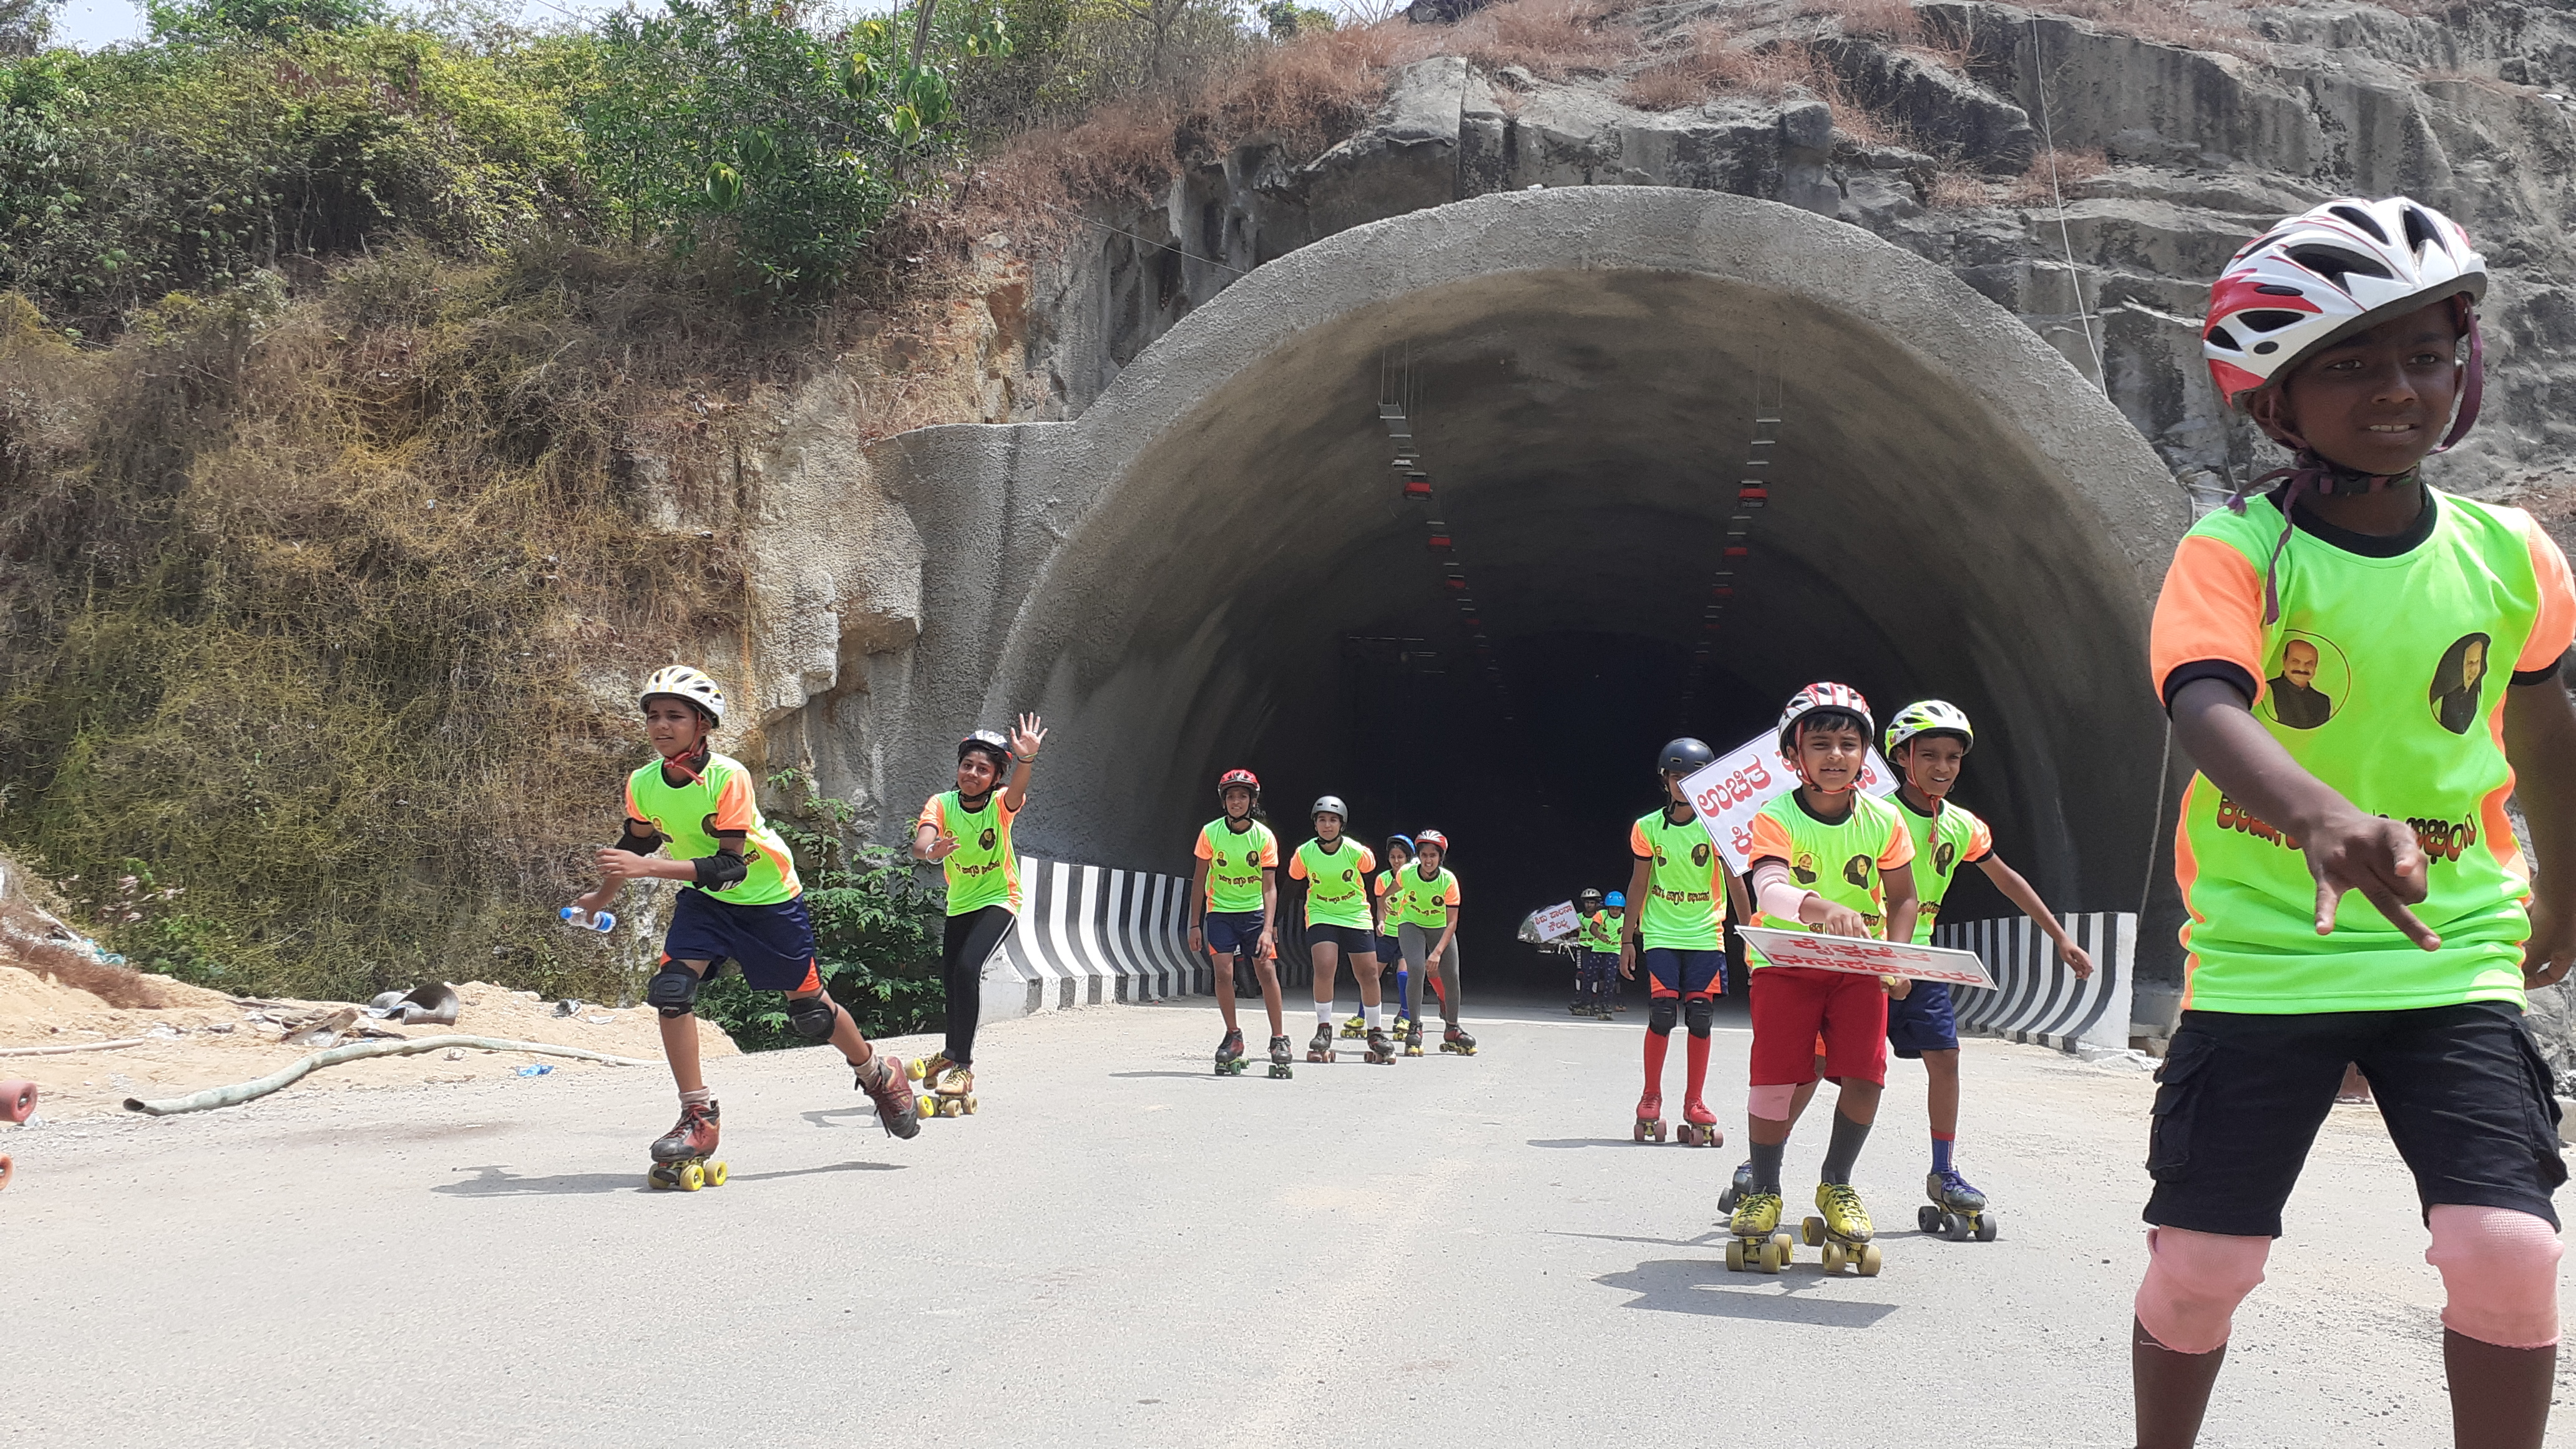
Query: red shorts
point(1796, 1009)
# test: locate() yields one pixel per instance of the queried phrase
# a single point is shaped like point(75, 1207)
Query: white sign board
point(1727, 795)
point(1869, 958)
point(1556, 922)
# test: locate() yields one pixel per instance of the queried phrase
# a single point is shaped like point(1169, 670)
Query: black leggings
point(970, 941)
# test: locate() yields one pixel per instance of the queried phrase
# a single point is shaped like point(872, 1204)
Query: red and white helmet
point(1232, 778)
point(2338, 268)
point(1822, 695)
point(1432, 837)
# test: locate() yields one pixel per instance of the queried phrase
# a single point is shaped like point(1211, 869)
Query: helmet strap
point(682, 762)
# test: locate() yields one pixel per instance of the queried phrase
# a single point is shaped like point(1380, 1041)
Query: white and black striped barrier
point(2036, 998)
point(1090, 934)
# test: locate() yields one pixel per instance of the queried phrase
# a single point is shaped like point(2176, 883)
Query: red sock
point(1696, 1056)
point(1656, 1042)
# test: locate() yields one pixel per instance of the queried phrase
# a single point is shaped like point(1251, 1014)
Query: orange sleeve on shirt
point(2555, 629)
point(1981, 839)
point(1206, 850)
point(1270, 851)
point(1771, 841)
point(930, 815)
point(2211, 608)
point(1297, 866)
point(631, 812)
point(1450, 897)
point(1637, 841)
point(1900, 846)
point(735, 809)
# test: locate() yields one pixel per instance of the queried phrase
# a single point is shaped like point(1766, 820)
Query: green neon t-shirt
point(1601, 932)
point(1844, 861)
point(1685, 907)
point(1423, 902)
point(1336, 882)
point(1236, 859)
point(1942, 844)
point(2385, 677)
point(718, 802)
point(985, 869)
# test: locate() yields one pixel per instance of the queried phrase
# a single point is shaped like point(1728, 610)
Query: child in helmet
point(1679, 935)
point(966, 832)
point(1390, 953)
point(1824, 858)
point(1601, 945)
point(1425, 911)
point(1588, 997)
point(739, 901)
point(1336, 869)
point(1234, 908)
point(1927, 743)
point(2385, 611)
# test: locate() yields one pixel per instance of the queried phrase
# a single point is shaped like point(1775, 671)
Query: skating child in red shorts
point(1826, 857)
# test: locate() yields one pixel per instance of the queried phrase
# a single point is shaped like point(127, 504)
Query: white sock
point(1324, 1012)
point(1373, 1019)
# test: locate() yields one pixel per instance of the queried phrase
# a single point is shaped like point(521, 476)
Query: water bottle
point(602, 922)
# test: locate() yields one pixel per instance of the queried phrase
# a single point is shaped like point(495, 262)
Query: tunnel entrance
point(1952, 511)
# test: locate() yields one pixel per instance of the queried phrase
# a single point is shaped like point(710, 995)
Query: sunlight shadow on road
point(495, 1181)
point(1693, 1285)
point(1583, 1142)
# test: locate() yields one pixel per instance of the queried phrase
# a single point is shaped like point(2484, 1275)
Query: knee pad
point(2500, 1268)
point(1699, 1012)
point(812, 1017)
point(1661, 1013)
point(1771, 1103)
point(2194, 1282)
point(673, 990)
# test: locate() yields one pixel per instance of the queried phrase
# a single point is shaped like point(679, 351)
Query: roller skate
point(1957, 1210)
point(1454, 1040)
point(1843, 1232)
point(1356, 1026)
point(1381, 1049)
point(1650, 1118)
point(1279, 1058)
point(1736, 1190)
point(680, 1155)
point(1754, 1241)
point(883, 1079)
point(1229, 1053)
point(1699, 1125)
point(952, 1091)
point(1413, 1040)
point(1321, 1048)
point(927, 1069)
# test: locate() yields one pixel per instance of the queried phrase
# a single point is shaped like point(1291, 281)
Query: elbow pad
point(634, 844)
point(717, 871)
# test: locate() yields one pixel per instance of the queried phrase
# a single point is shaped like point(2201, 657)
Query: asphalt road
point(1123, 1249)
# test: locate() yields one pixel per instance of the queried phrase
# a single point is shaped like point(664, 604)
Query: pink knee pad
point(1771, 1104)
point(2194, 1282)
point(2501, 1270)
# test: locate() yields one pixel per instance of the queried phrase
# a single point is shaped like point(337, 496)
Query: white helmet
point(681, 682)
point(1822, 695)
point(1930, 717)
point(1329, 805)
point(2338, 268)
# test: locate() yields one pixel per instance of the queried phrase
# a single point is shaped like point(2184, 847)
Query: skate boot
point(1754, 1241)
point(1413, 1039)
point(1844, 1230)
point(1229, 1053)
point(1280, 1056)
point(884, 1081)
point(1321, 1048)
point(1957, 1210)
point(680, 1155)
point(1699, 1125)
point(1381, 1049)
point(952, 1091)
point(1650, 1118)
point(1736, 1190)
point(1356, 1026)
point(1455, 1040)
point(927, 1069)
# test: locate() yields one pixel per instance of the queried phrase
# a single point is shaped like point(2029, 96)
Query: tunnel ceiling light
point(1418, 488)
point(1390, 410)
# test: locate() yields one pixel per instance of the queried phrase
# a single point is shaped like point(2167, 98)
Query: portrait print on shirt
point(2459, 683)
point(2309, 681)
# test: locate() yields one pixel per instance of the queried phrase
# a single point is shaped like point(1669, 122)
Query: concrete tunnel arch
point(1187, 576)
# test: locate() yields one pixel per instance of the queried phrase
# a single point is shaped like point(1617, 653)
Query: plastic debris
point(538, 1069)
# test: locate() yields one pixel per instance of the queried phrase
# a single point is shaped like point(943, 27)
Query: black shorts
point(1231, 933)
point(1674, 972)
point(774, 944)
point(2463, 1089)
point(1354, 941)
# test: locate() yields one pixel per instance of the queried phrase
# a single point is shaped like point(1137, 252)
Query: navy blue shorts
point(773, 944)
point(1685, 973)
point(1353, 941)
point(1232, 933)
point(1389, 953)
point(1922, 1021)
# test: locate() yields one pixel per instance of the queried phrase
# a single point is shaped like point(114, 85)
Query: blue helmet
point(1616, 898)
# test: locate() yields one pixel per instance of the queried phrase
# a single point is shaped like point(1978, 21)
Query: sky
point(89, 24)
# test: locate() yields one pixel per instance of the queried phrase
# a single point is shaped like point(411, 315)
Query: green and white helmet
point(1930, 717)
point(681, 682)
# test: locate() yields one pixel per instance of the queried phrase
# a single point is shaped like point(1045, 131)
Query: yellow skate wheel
point(692, 1177)
point(715, 1174)
point(912, 1070)
point(1787, 1246)
point(1813, 1230)
point(653, 1178)
point(1833, 1257)
point(1868, 1260)
point(1735, 1256)
point(1775, 1256)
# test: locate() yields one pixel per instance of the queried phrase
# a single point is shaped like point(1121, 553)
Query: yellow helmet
point(682, 682)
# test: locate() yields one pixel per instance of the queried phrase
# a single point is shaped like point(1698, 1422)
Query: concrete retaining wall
point(2036, 998)
point(1091, 934)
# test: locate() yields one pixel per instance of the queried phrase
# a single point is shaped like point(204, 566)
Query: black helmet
point(989, 742)
point(1684, 756)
